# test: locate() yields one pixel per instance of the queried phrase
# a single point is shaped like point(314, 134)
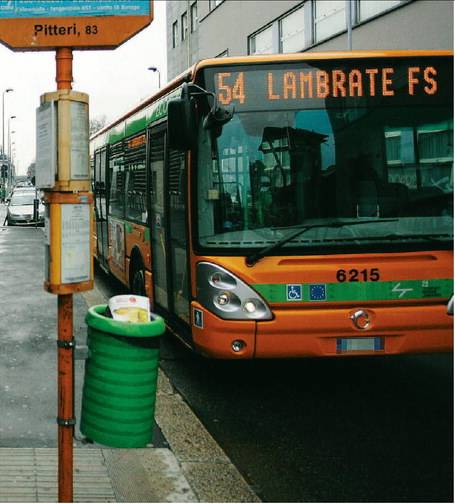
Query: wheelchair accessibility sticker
point(294, 292)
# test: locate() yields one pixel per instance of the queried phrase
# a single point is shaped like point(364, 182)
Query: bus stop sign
point(33, 25)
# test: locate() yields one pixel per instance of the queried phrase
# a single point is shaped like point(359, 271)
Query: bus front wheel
point(137, 282)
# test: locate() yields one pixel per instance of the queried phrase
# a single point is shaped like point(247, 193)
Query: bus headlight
point(227, 296)
point(249, 306)
point(226, 301)
point(223, 299)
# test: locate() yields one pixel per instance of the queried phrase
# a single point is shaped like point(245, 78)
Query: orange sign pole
point(64, 67)
point(94, 25)
point(65, 397)
point(64, 78)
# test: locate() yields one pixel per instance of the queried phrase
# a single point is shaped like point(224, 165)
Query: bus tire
point(137, 278)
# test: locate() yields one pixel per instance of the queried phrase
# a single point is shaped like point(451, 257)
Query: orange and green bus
point(288, 205)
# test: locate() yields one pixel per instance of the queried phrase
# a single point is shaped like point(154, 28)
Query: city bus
point(287, 206)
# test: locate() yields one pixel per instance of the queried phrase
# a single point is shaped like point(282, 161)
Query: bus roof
point(331, 55)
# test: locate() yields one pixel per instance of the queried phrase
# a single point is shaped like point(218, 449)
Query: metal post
point(64, 65)
point(10, 144)
point(349, 23)
point(157, 70)
point(3, 118)
point(3, 122)
point(65, 419)
point(188, 23)
point(9, 135)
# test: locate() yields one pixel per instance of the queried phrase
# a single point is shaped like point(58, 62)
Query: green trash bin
point(120, 380)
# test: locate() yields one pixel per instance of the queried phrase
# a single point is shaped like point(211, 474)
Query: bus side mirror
point(181, 125)
point(217, 118)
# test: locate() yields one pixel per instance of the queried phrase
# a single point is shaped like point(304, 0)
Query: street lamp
point(9, 135)
point(12, 168)
point(10, 148)
point(8, 90)
point(155, 69)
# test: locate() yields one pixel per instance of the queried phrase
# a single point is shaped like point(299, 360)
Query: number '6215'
point(355, 275)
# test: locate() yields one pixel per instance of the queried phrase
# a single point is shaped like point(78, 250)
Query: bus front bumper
point(333, 332)
point(328, 332)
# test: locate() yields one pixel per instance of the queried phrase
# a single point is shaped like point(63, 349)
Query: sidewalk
point(184, 463)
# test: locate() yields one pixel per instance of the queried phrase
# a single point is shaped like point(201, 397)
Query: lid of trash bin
point(96, 319)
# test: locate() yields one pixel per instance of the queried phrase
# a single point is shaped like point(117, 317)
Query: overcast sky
point(115, 81)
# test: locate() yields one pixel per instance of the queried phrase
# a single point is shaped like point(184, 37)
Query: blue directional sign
point(72, 8)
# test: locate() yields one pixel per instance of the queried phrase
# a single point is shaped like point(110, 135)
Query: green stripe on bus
point(135, 126)
point(129, 229)
point(356, 291)
point(137, 123)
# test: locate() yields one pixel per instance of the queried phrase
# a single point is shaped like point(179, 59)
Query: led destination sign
point(327, 84)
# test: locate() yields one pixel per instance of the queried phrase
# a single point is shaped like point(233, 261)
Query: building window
point(175, 34)
point(292, 32)
point(369, 8)
point(193, 14)
point(214, 3)
point(223, 54)
point(262, 42)
point(330, 18)
point(184, 26)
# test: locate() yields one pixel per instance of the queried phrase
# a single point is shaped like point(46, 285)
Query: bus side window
point(117, 189)
point(95, 167)
point(136, 193)
point(93, 172)
point(208, 189)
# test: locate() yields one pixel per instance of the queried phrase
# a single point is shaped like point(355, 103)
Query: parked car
point(20, 208)
point(20, 189)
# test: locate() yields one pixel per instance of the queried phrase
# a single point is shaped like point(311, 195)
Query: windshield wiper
point(397, 236)
point(252, 259)
point(438, 237)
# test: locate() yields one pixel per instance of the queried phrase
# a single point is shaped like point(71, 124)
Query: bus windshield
point(312, 143)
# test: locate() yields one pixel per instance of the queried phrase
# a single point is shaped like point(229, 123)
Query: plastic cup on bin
point(120, 379)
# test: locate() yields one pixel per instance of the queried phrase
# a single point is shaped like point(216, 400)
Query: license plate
point(345, 345)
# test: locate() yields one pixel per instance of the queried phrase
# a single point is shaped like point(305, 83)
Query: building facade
point(198, 29)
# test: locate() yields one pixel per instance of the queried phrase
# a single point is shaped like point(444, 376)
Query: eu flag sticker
point(294, 292)
point(318, 292)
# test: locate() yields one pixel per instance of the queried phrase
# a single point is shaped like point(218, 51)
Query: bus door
point(168, 225)
point(100, 205)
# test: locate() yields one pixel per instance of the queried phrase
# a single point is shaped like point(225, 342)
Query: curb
point(204, 465)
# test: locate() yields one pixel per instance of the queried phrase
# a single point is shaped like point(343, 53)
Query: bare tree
point(96, 123)
point(31, 170)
